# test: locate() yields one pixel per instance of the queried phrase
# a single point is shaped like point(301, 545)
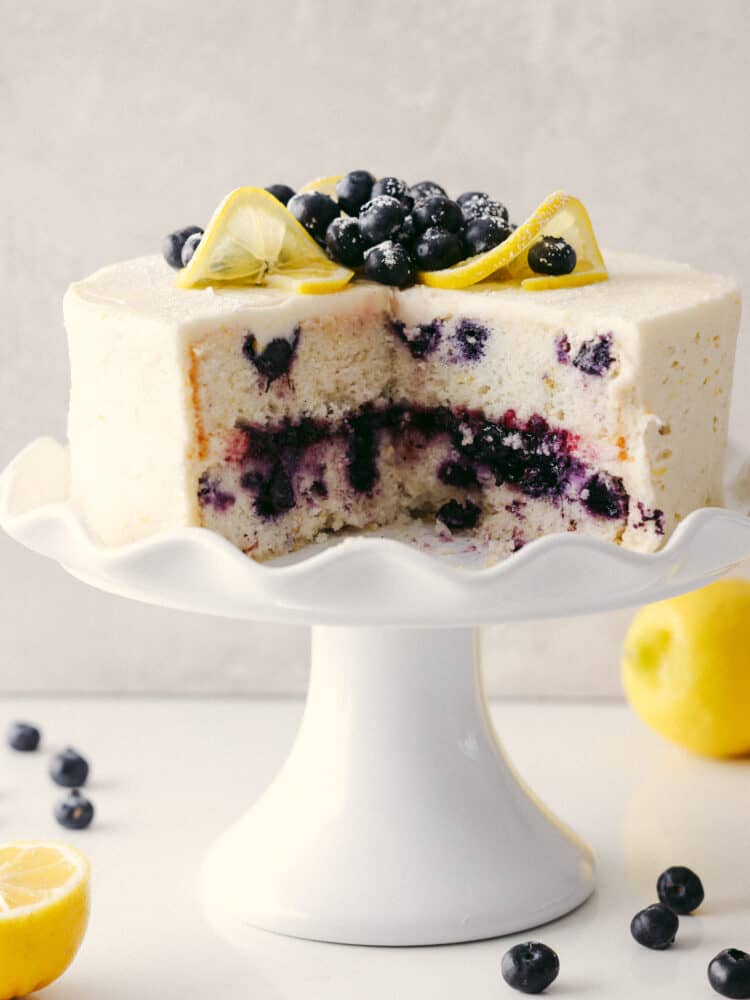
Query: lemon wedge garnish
point(44, 909)
point(559, 214)
point(252, 239)
point(323, 185)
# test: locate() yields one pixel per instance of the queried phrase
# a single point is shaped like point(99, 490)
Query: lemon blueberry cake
point(433, 361)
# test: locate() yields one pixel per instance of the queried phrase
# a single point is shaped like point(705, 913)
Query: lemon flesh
point(686, 668)
point(44, 909)
point(559, 214)
point(252, 239)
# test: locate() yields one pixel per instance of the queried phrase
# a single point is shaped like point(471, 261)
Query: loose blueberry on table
point(24, 737)
point(655, 927)
point(729, 973)
point(69, 769)
point(74, 812)
point(680, 889)
point(530, 967)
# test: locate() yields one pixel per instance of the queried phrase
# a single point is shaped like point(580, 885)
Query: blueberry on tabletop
point(680, 889)
point(552, 255)
point(394, 188)
point(189, 247)
point(484, 233)
point(74, 812)
point(69, 769)
point(353, 190)
point(23, 736)
point(457, 517)
point(436, 249)
point(344, 241)
point(476, 203)
point(381, 218)
point(655, 927)
point(437, 210)
point(390, 264)
point(174, 242)
point(314, 211)
point(729, 973)
point(281, 192)
point(530, 967)
point(423, 189)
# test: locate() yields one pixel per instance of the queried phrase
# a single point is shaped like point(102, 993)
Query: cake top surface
point(639, 288)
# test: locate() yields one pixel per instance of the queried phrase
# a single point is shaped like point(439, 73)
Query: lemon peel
point(560, 214)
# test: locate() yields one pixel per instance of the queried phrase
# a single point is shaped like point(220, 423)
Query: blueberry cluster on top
point(391, 230)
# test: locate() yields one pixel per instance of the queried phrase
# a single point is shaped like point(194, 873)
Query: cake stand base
point(396, 819)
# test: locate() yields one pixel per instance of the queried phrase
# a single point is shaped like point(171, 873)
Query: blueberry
point(314, 211)
point(174, 242)
point(424, 189)
point(344, 241)
point(605, 496)
point(729, 973)
point(484, 233)
point(478, 203)
point(276, 357)
point(454, 473)
point(23, 736)
point(69, 769)
point(439, 211)
point(407, 233)
point(353, 190)
point(281, 192)
point(655, 927)
point(680, 889)
point(552, 255)
point(74, 812)
point(390, 264)
point(276, 495)
point(530, 967)
point(471, 337)
point(381, 218)
point(394, 188)
point(436, 249)
point(189, 247)
point(458, 517)
point(595, 356)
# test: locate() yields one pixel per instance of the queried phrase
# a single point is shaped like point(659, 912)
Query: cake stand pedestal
point(396, 819)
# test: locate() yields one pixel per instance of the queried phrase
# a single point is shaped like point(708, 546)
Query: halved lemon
point(253, 239)
point(559, 214)
point(44, 909)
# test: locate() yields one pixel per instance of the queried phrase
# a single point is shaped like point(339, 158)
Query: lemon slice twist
point(559, 214)
point(252, 239)
point(44, 908)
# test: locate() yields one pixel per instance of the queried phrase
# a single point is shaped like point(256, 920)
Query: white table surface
point(167, 775)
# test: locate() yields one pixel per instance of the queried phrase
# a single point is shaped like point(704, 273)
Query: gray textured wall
point(122, 119)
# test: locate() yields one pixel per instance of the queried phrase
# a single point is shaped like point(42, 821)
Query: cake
point(495, 412)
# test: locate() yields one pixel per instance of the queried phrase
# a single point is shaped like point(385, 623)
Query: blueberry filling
point(535, 459)
point(422, 339)
point(594, 356)
point(275, 360)
point(562, 349)
point(470, 338)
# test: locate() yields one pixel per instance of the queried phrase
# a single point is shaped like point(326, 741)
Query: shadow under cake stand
point(396, 819)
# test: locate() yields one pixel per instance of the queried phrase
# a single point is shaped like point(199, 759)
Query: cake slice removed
point(492, 411)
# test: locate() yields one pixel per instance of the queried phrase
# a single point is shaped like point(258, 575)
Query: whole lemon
point(686, 668)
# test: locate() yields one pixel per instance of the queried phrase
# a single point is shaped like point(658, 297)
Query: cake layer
point(600, 409)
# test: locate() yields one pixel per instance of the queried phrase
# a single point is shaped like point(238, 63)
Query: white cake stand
point(396, 819)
